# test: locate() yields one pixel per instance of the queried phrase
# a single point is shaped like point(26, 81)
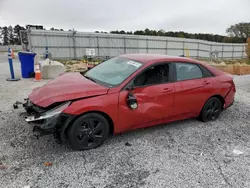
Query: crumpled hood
point(66, 87)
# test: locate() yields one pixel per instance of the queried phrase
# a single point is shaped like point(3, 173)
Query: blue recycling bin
point(27, 63)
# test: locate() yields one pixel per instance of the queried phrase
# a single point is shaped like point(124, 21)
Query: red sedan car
point(128, 92)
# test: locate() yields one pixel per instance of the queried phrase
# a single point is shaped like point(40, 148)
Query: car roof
point(154, 58)
point(145, 58)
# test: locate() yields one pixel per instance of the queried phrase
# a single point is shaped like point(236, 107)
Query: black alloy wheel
point(88, 131)
point(211, 110)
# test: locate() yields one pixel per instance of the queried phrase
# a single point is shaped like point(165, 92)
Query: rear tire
point(211, 110)
point(89, 131)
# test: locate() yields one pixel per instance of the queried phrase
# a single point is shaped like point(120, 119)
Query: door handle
point(207, 82)
point(166, 90)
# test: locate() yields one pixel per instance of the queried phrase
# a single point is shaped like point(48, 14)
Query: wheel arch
point(109, 119)
point(217, 96)
point(220, 98)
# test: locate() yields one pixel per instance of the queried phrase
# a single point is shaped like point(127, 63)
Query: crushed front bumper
point(46, 121)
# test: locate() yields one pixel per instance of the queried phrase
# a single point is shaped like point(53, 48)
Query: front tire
point(89, 131)
point(211, 110)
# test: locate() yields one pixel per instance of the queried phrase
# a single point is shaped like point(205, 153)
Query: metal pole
point(166, 47)
point(109, 47)
point(46, 52)
point(21, 38)
point(243, 50)
point(11, 67)
point(210, 53)
point(124, 45)
point(46, 41)
point(138, 45)
point(147, 45)
point(233, 52)
point(198, 49)
point(222, 51)
point(29, 39)
point(183, 48)
point(98, 46)
point(74, 43)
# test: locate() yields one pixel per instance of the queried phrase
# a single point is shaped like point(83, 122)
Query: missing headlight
point(48, 114)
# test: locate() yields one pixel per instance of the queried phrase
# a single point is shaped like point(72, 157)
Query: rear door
point(193, 86)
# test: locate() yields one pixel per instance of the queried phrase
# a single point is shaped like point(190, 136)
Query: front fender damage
point(54, 125)
point(47, 120)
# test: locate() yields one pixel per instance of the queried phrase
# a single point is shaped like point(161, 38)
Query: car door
point(155, 101)
point(193, 87)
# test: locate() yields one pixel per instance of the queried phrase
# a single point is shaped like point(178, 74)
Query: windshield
point(113, 71)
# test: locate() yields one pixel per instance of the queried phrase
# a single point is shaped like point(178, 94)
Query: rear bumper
point(231, 104)
point(229, 99)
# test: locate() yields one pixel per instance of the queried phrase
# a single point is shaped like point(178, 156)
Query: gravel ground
point(182, 154)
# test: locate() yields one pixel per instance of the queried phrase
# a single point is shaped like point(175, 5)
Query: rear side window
point(206, 73)
point(187, 71)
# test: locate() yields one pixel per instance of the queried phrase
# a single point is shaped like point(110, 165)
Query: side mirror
point(130, 88)
point(132, 102)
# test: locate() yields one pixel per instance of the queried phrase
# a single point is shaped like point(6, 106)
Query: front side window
point(113, 71)
point(156, 74)
point(187, 71)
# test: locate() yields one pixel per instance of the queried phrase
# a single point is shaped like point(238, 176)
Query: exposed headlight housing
point(48, 114)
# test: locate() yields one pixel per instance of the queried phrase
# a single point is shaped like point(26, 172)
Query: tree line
point(181, 34)
point(11, 35)
point(237, 33)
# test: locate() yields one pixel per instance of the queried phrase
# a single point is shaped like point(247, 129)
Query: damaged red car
point(128, 92)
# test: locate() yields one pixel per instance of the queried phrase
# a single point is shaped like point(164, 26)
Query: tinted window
point(187, 71)
point(206, 73)
point(154, 75)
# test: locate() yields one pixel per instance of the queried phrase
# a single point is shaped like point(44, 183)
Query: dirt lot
point(182, 154)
